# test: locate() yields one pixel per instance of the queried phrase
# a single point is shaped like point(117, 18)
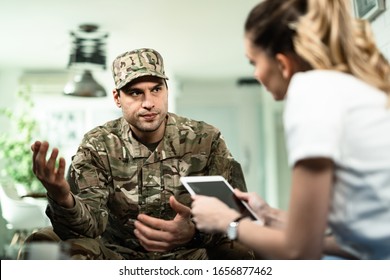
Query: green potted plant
point(15, 152)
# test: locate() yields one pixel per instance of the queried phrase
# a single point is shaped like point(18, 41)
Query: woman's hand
point(211, 215)
point(255, 202)
point(269, 216)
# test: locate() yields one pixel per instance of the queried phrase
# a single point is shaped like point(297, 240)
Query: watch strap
point(239, 219)
point(234, 224)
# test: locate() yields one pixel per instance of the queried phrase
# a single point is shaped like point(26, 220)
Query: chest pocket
point(123, 201)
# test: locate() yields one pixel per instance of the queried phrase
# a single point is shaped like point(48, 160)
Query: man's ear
point(285, 64)
point(116, 96)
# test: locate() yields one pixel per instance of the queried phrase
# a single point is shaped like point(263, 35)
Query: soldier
point(123, 198)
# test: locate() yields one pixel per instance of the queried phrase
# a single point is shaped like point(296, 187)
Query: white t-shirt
point(335, 115)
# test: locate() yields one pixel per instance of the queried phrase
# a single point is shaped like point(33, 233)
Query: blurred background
point(56, 84)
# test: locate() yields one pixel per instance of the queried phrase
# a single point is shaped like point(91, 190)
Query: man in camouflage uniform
point(123, 198)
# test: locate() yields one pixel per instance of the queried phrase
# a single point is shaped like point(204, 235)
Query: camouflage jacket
point(117, 178)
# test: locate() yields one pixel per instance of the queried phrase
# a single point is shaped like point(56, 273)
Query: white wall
point(231, 109)
point(245, 115)
point(381, 29)
point(8, 83)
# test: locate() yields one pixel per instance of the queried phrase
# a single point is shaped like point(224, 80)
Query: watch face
point(232, 231)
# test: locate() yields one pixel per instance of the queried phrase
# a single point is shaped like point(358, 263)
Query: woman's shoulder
point(331, 84)
point(326, 78)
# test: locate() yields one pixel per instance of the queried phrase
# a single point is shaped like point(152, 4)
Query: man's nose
point(148, 101)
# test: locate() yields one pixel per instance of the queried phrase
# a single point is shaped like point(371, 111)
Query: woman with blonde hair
point(336, 83)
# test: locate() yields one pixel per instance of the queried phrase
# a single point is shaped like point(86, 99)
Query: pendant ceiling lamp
point(84, 85)
point(88, 53)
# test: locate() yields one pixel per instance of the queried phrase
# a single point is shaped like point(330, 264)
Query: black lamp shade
point(84, 85)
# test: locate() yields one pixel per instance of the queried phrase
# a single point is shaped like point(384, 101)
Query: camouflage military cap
point(137, 63)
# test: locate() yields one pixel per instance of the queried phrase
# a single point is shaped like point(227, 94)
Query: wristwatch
point(232, 231)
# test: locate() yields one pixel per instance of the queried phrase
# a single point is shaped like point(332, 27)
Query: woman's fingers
point(241, 195)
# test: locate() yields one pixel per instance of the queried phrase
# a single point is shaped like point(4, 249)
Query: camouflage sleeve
point(89, 216)
point(221, 162)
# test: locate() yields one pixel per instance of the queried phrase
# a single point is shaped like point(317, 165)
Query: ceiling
point(199, 39)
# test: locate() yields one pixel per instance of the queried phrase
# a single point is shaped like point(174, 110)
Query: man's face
point(144, 104)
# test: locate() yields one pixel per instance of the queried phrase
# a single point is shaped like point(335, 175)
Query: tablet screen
point(220, 190)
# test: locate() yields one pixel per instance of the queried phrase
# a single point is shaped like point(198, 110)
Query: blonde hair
point(327, 37)
point(323, 34)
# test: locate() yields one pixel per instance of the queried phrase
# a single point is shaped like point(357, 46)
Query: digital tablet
point(217, 186)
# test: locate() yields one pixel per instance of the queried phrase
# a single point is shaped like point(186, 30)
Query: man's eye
point(157, 89)
point(132, 92)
